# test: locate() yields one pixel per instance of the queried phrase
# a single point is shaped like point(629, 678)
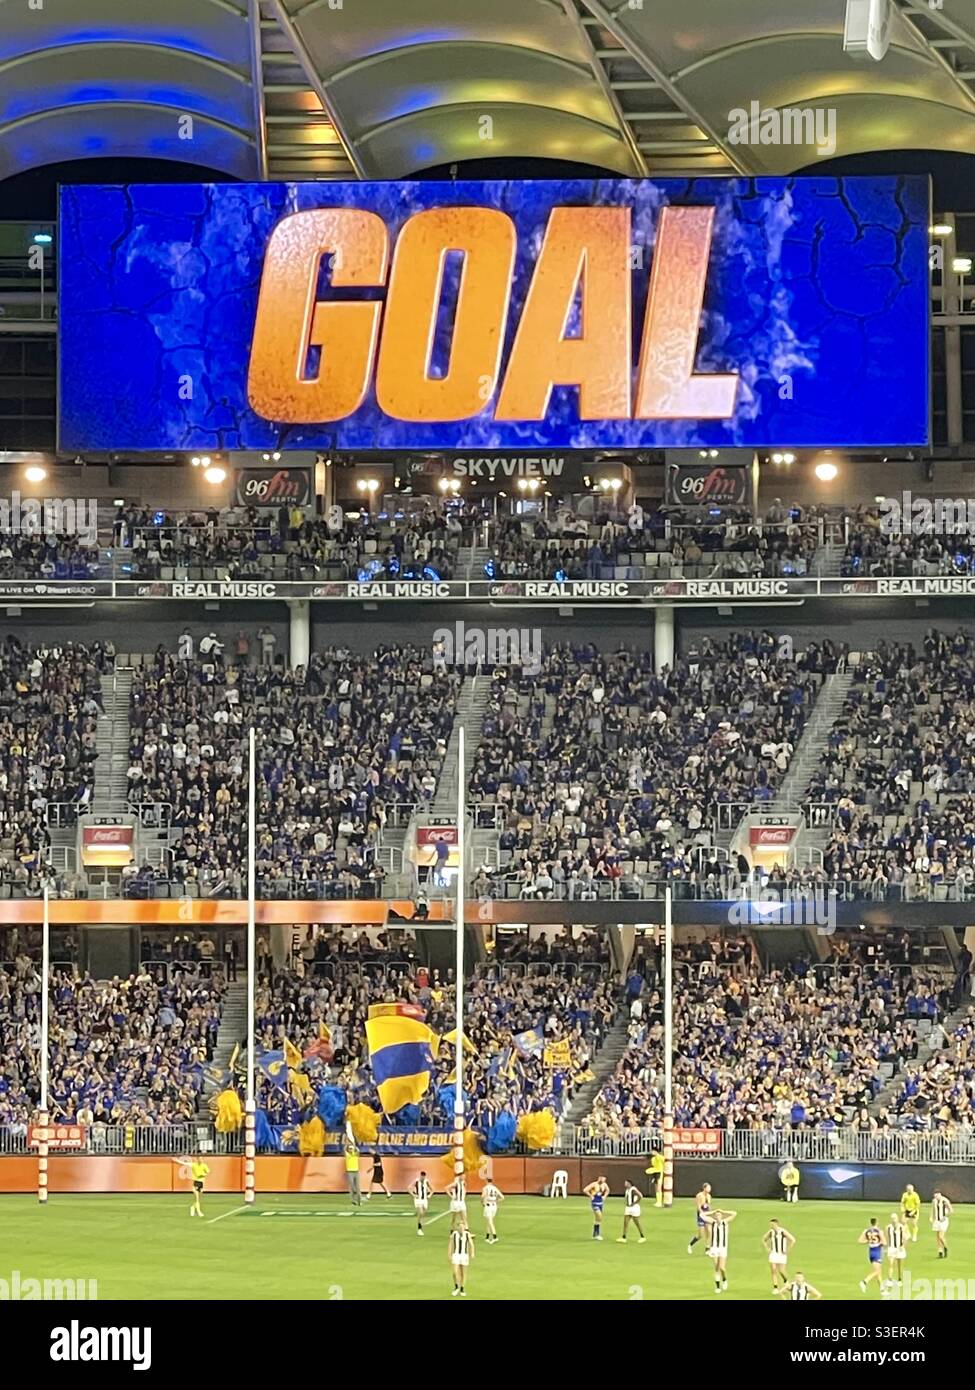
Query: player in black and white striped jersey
point(941, 1210)
point(719, 1235)
point(778, 1242)
point(799, 1290)
point(457, 1192)
point(460, 1253)
point(897, 1236)
point(421, 1192)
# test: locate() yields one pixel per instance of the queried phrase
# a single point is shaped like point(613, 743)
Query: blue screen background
point(818, 283)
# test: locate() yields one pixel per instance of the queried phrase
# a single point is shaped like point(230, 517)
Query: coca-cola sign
point(706, 485)
point(767, 836)
point(274, 487)
point(107, 834)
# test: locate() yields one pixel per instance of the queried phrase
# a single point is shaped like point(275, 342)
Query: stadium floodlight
point(778, 458)
point(826, 472)
point(34, 473)
point(788, 457)
point(866, 33)
point(215, 475)
point(962, 265)
point(941, 229)
point(42, 238)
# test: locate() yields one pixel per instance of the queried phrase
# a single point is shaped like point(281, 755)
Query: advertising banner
point(273, 487)
point(706, 485)
point(110, 845)
point(60, 1137)
point(771, 836)
point(579, 314)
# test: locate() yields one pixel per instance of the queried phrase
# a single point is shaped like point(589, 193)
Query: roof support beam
point(315, 82)
point(257, 83)
point(652, 68)
point(600, 74)
point(911, 13)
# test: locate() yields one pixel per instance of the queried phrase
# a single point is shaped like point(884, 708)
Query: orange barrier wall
point(274, 1173)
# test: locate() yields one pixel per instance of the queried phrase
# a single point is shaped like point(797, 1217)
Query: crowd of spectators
point(50, 701)
point(881, 542)
point(335, 986)
point(799, 1048)
point(653, 543)
point(939, 1094)
point(599, 771)
point(899, 772)
point(49, 556)
point(122, 1051)
point(292, 544)
point(341, 743)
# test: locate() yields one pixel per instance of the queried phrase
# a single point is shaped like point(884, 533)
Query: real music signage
point(579, 314)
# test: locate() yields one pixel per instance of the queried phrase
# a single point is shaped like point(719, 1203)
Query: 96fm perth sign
point(273, 487)
point(703, 485)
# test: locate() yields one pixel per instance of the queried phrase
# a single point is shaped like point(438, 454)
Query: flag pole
point(459, 965)
point(250, 1110)
point(42, 1147)
point(668, 1188)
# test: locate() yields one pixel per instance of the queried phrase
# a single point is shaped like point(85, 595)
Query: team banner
point(581, 314)
point(398, 1140)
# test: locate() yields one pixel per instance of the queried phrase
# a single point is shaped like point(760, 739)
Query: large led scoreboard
point(579, 314)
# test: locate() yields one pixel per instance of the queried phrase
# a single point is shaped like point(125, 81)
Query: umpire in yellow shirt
point(789, 1178)
point(200, 1172)
point(352, 1171)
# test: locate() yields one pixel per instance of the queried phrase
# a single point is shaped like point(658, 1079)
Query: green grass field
point(314, 1247)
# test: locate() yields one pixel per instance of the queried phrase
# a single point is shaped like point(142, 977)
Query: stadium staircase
point(471, 708)
point(232, 1030)
point(110, 796)
point(603, 1066)
point(927, 1047)
point(471, 561)
point(827, 562)
point(813, 744)
point(111, 765)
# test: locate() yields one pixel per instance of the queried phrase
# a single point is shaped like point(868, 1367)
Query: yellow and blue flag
point(451, 1040)
point(401, 1051)
point(400, 1009)
point(274, 1066)
point(531, 1041)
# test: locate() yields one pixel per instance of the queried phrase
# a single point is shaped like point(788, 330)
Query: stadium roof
point(385, 88)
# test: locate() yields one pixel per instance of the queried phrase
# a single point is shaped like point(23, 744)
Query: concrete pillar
point(663, 637)
point(299, 643)
point(952, 304)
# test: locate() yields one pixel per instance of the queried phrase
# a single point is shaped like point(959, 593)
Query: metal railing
point(176, 1140)
point(573, 1141)
point(846, 1144)
point(63, 815)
